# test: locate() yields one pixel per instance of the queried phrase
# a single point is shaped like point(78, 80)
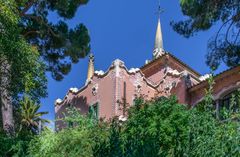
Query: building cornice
point(216, 78)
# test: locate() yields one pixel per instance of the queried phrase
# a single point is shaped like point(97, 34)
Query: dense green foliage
point(202, 15)
point(81, 140)
point(160, 128)
point(22, 71)
point(27, 73)
point(14, 146)
point(31, 44)
point(27, 118)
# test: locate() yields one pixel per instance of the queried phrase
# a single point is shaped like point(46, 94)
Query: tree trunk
point(5, 97)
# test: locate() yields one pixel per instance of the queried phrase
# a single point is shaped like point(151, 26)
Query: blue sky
point(125, 29)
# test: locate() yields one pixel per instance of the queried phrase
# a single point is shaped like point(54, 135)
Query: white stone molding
point(99, 73)
point(147, 61)
point(133, 70)
point(158, 52)
point(74, 90)
point(122, 118)
point(58, 101)
point(204, 77)
point(117, 64)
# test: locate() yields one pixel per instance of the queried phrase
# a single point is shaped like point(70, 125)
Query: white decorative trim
point(74, 90)
point(158, 52)
point(117, 63)
point(58, 101)
point(133, 70)
point(100, 72)
point(204, 77)
point(147, 61)
point(88, 81)
point(172, 71)
point(122, 118)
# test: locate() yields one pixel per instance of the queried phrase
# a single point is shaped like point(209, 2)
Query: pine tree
point(202, 15)
point(59, 45)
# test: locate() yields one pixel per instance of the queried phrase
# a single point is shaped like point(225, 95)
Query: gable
point(156, 69)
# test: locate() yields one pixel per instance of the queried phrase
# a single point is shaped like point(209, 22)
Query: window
point(70, 107)
point(234, 97)
point(70, 124)
point(94, 111)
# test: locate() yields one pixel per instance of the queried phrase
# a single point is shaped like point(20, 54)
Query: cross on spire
point(160, 10)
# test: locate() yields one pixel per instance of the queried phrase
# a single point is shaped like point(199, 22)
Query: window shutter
point(93, 111)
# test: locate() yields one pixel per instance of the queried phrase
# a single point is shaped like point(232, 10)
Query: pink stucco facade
point(163, 76)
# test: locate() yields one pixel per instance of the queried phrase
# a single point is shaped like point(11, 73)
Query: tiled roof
point(215, 77)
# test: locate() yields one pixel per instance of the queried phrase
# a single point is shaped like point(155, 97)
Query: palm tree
point(30, 117)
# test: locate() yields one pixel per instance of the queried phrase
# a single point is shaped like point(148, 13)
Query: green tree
point(59, 45)
point(27, 123)
point(83, 139)
point(16, 146)
point(31, 118)
point(21, 69)
point(202, 15)
point(156, 128)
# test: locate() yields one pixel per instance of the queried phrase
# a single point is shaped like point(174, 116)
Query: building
point(164, 75)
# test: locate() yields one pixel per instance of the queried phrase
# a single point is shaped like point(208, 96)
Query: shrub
point(157, 128)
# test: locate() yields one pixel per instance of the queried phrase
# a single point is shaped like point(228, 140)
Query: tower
point(158, 46)
point(90, 68)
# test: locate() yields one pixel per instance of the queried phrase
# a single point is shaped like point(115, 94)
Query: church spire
point(158, 47)
point(90, 68)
